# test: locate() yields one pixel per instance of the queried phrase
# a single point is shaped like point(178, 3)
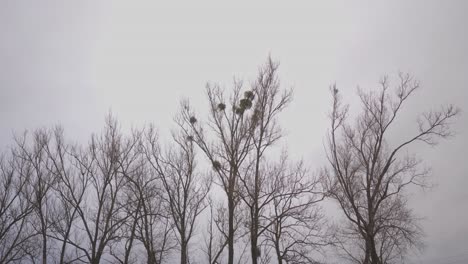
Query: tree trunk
point(254, 249)
point(278, 252)
point(62, 252)
point(44, 237)
point(367, 253)
point(151, 256)
point(64, 244)
point(44, 248)
point(183, 252)
point(254, 212)
point(254, 238)
point(373, 252)
point(231, 205)
point(371, 256)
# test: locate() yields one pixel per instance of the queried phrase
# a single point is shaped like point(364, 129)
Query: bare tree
point(185, 189)
point(70, 190)
point(133, 169)
point(155, 228)
point(216, 239)
point(15, 232)
point(152, 224)
point(295, 224)
point(122, 248)
point(228, 147)
point(101, 214)
point(109, 198)
point(41, 182)
point(368, 176)
point(111, 201)
point(265, 132)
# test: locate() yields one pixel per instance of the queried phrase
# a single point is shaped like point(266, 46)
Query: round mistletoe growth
point(192, 120)
point(190, 138)
point(221, 106)
point(256, 116)
point(249, 95)
point(245, 103)
point(216, 165)
point(239, 110)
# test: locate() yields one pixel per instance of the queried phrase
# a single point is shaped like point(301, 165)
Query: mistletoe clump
point(221, 106)
point(216, 165)
point(245, 103)
point(239, 110)
point(249, 95)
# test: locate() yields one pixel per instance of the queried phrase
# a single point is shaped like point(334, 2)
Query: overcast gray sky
point(70, 62)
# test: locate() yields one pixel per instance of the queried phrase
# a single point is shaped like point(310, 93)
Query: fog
point(70, 63)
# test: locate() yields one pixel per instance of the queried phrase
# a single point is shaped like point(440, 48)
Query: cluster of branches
point(119, 199)
point(129, 199)
point(272, 204)
point(369, 177)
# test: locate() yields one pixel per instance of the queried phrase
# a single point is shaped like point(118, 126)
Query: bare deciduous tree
point(133, 169)
point(368, 176)
point(70, 190)
point(155, 229)
point(153, 226)
point(101, 213)
point(185, 189)
point(296, 227)
point(15, 209)
point(265, 132)
point(216, 238)
point(228, 146)
point(34, 151)
point(126, 199)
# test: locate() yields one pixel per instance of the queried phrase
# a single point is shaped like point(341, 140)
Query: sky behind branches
point(70, 63)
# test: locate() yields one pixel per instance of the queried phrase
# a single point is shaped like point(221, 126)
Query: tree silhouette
point(368, 176)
